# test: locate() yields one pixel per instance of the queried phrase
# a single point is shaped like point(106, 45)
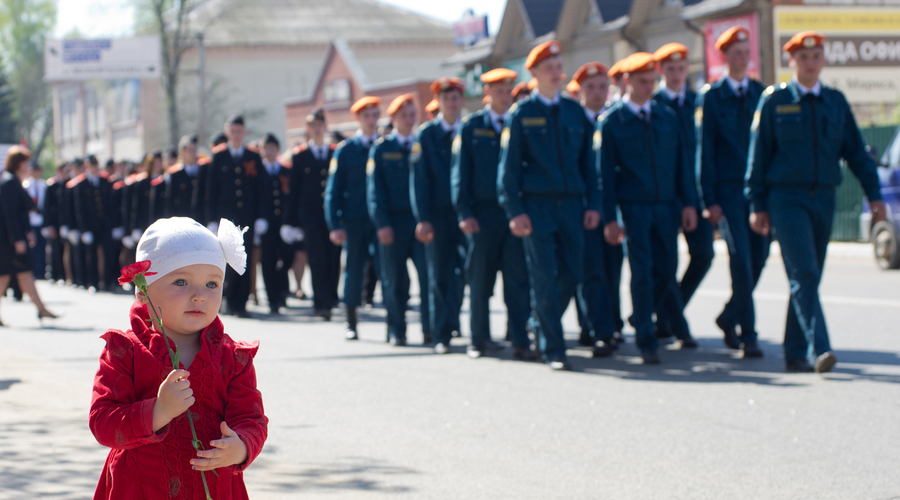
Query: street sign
point(102, 58)
point(469, 29)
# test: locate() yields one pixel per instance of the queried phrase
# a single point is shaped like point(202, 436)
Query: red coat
point(148, 465)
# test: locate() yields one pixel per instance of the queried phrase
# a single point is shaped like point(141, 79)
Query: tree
point(23, 26)
point(7, 120)
point(168, 19)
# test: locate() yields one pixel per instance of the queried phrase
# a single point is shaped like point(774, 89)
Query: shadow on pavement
point(351, 473)
point(6, 384)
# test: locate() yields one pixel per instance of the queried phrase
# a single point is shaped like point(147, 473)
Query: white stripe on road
point(828, 299)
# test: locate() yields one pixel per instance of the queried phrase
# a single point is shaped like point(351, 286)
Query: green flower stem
point(173, 355)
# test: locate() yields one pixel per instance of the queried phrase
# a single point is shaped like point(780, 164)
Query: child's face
point(188, 298)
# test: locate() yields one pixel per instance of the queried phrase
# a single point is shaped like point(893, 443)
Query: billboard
point(862, 48)
point(102, 58)
point(469, 29)
point(716, 66)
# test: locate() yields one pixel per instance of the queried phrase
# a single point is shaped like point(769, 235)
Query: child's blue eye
point(212, 284)
point(179, 283)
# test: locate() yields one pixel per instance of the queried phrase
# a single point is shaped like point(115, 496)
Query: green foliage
point(7, 121)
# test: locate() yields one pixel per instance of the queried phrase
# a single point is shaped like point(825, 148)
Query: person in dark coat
point(16, 235)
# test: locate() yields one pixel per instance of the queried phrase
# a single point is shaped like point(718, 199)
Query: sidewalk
point(836, 249)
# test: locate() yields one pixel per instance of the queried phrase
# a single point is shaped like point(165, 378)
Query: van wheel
point(887, 249)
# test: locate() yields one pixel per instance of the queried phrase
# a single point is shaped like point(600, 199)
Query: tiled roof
point(543, 15)
point(311, 22)
point(613, 9)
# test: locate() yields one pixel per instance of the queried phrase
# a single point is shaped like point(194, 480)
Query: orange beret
point(541, 52)
point(447, 83)
point(399, 101)
point(499, 75)
point(521, 87)
point(485, 99)
point(532, 84)
point(573, 87)
point(432, 106)
point(804, 40)
point(365, 102)
point(671, 52)
point(615, 71)
point(730, 36)
point(588, 70)
point(638, 63)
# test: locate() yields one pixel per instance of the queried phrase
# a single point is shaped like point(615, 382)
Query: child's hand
point(175, 396)
point(230, 450)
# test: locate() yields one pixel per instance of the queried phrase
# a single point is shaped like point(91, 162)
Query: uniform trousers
point(701, 252)
point(802, 222)
point(395, 275)
point(358, 251)
point(236, 289)
point(493, 248)
point(598, 303)
point(324, 263)
point(275, 259)
point(747, 254)
point(651, 233)
point(446, 257)
point(554, 254)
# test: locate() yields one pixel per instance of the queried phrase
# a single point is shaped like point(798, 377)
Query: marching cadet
point(345, 205)
point(275, 255)
point(232, 193)
point(116, 250)
point(673, 92)
point(306, 212)
point(93, 193)
point(643, 169)
point(520, 91)
point(52, 206)
point(492, 248)
point(69, 227)
point(598, 327)
point(146, 195)
point(390, 208)
point(800, 132)
point(617, 79)
point(438, 229)
point(183, 183)
point(547, 184)
point(723, 117)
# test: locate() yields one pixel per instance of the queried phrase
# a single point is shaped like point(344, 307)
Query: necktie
point(237, 157)
point(500, 123)
point(644, 116)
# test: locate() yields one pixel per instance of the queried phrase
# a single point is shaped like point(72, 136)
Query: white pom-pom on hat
point(231, 238)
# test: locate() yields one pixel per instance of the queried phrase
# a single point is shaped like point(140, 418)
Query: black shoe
point(490, 345)
point(604, 349)
point(325, 314)
point(523, 353)
point(825, 362)
point(274, 311)
point(619, 338)
point(663, 333)
point(474, 352)
point(585, 339)
point(686, 343)
point(352, 319)
point(732, 341)
point(426, 338)
point(560, 364)
point(441, 348)
point(798, 366)
point(752, 350)
point(650, 357)
point(398, 342)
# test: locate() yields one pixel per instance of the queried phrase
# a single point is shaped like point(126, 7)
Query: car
point(885, 235)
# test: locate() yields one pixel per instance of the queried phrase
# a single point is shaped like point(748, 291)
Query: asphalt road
point(367, 420)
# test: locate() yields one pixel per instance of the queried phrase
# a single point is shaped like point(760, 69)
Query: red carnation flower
point(136, 269)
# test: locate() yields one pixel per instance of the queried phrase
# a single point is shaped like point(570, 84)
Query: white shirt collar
point(270, 166)
point(674, 96)
point(816, 89)
point(634, 107)
point(591, 115)
point(367, 140)
point(446, 126)
point(236, 152)
point(405, 140)
point(495, 117)
point(191, 169)
point(546, 100)
point(735, 85)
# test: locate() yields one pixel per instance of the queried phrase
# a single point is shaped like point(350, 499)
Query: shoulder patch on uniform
point(378, 141)
point(370, 166)
point(332, 146)
point(299, 149)
point(159, 180)
point(174, 168)
point(416, 153)
point(769, 90)
point(704, 89)
point(332, 166)
point(755, 124)
point(74, 182)
point(457, 144)
point(424, 126)
point(219, 148)
point(514, 107)
point(504, 138)
point(253, 148)
point(598, 140)
point(783, 85)
point(203, 160)
point(698, 116)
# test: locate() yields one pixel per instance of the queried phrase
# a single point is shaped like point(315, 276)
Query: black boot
point(351, 324)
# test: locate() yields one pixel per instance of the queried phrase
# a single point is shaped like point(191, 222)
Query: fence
point(850, 194)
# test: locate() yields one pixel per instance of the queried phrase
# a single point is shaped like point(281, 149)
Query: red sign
point(716, 66)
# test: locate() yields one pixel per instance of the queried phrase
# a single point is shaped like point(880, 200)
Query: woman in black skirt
point(16, 236)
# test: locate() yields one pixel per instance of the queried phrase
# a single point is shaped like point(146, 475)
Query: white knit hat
point(173, 243)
